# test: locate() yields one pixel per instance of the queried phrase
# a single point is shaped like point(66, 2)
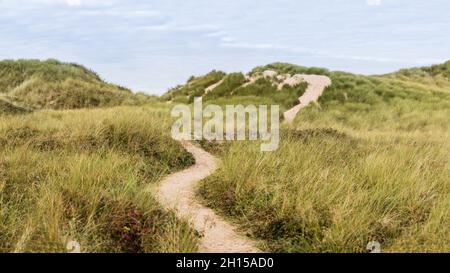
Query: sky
point(154, 45)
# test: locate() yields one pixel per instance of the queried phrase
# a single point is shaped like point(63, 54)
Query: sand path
point(316, 86)
point(178, 192)
point(212, 87)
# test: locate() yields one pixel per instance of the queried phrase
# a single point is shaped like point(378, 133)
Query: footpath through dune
point(316, 86)
point(178, 192)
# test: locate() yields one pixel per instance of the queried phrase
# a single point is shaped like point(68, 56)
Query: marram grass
point(81, 175)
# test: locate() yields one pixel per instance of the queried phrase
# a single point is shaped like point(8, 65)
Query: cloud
point(220, 33)
point(373, 2)
point(70, 3)
point(123, 12)
point(318, 53)
point(228, 39)
point(171, 27)
point(74, 2)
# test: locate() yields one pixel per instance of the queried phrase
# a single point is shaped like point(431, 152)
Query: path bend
point(178, 192)
point(316, 86)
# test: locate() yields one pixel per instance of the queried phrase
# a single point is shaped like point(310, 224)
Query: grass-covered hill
point(55, 85)
point(370, 162)
point(348, 87)
point(439, 73)
point(195, 86)
point(397, 96)
point(223, 88)
point(415, 83)
point(407, 102)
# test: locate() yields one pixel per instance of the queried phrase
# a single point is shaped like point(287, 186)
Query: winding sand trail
point(212, 87)
point(316, 86)
point(178, 192)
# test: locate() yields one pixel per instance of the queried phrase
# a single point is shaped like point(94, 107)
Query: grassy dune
point(234, 88)
point(195, 87)
point(372, 162)
point(55, 85)
point(82, 174)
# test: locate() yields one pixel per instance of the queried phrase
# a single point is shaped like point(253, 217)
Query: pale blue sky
point(156, 44)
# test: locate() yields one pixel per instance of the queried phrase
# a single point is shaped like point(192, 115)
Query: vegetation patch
point(195, 87)
point(84, 175)
point(371, 162)
point(9, 108)
point(55, 85)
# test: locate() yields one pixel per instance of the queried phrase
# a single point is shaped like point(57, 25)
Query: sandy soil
point(316, 86)
point(178, 191)
point(212, 87)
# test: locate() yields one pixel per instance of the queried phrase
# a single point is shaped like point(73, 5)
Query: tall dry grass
point(81, 175)
point(372, 162)
point(324, 191)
